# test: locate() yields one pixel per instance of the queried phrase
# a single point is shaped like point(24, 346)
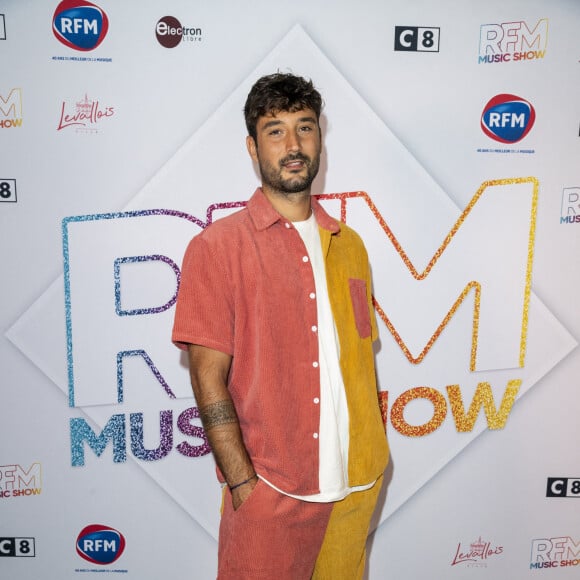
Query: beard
point(272, 176)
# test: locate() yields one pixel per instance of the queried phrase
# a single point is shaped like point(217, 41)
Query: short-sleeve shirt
point(247, 289)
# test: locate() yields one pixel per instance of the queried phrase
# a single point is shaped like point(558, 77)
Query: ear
point(252, 147)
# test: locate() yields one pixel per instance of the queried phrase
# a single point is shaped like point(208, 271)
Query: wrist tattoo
point(218, 414)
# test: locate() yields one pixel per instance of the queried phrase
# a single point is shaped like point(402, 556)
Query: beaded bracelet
point(232, 487)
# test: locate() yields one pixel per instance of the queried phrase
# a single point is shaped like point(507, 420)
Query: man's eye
point(306, 128)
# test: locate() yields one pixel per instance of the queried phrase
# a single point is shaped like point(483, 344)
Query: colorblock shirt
point(247, 289)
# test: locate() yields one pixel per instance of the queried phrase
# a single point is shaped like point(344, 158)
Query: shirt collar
point(264, 215)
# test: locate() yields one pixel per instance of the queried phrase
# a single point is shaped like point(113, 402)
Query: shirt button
point(315, 435)
point(288, 226)
point(314, 329)
point(305, 259)
point(315, 364)
point(316, 400)
point(312, 295)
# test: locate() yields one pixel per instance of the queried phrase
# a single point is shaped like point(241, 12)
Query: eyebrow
point(275, 122)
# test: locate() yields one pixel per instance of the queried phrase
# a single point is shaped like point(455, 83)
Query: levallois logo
point(100, 544)
point(79, 24)
point(507, 118)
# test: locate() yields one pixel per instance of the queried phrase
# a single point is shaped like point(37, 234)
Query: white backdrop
point(113, 158)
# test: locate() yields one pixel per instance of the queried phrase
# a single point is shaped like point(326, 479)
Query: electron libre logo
point(100, 544)
point(507, 118)
point(79, 24)
point(169, 32)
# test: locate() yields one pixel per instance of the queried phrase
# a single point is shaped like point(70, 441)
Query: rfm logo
point(507, 118)
point(79, 24)
point(100, 544)
point(512, 41)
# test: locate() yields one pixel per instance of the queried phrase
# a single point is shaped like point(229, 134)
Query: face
point(287, 150)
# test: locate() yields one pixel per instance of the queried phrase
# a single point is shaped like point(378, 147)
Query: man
point(275, 310)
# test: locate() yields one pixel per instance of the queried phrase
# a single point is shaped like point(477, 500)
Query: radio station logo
point(417, 38)
point(513, 41)
point(18, 481)
point(17, 547)
point(80, 25)
point(100, 544)
point(7, 191)
point(560, 552)
point(477, 555)
point(84, 116)
point(570, 213)
point(507, 118)
point(169, 32)
point(2, 27)
point(563, 487)
point(11, 109)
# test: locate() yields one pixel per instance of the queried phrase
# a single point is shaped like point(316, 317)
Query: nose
point(293, 141)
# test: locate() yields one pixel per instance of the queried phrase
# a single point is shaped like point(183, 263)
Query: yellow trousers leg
point(343, 553)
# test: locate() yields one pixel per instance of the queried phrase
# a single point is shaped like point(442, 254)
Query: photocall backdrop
point(451, 144)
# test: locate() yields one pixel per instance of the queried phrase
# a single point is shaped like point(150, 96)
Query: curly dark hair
point(280, 92)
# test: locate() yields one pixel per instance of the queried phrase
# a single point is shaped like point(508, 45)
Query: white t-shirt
point(334, 423)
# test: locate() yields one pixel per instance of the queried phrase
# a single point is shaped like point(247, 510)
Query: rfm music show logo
point(512, 42)
point(84, 116)
point(416, 38)
point(570, 213)
point(507, 118)
point(169, 32)
point(80, 25)
point(560, 552)
point(118, 252)
point(11, 109)
point(100, 544)
point(17, 481)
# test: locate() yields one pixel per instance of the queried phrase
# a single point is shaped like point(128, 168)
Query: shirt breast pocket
point(358, 296)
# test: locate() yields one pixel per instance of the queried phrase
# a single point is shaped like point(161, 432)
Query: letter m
point(479, 274)
point(81, 432)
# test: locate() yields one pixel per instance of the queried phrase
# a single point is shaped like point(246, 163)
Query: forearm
point(224, 435)
point(209, 371)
